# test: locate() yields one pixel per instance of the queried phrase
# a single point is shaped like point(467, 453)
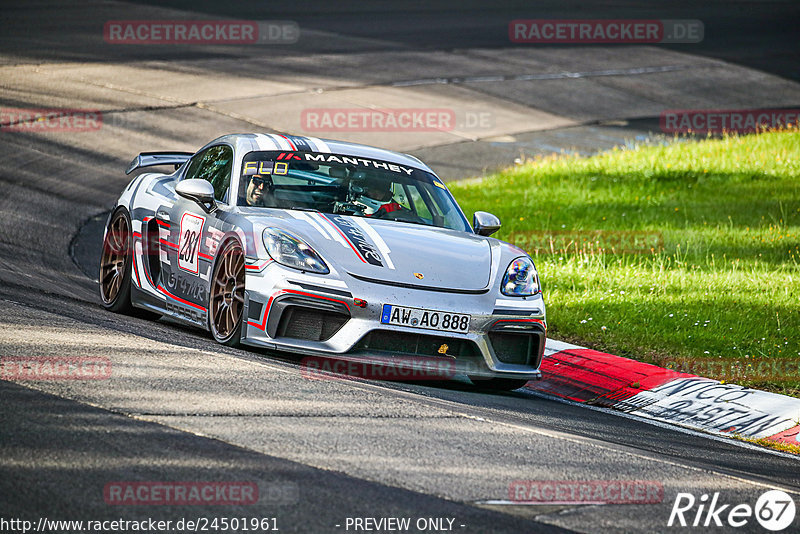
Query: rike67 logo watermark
point(774, 510)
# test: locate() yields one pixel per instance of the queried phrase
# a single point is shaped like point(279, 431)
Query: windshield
point(362, 187)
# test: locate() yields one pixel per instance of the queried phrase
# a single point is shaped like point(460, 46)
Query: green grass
point(688, 251)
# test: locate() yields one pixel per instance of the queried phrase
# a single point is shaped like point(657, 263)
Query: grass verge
point(685, 255)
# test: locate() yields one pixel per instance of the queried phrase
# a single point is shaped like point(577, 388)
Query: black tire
point(499, 384)
point(115, 264)
point(226, 298)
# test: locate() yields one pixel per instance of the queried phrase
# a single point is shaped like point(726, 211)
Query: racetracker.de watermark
point(600, 31)
point(180, 493)
point(50, 120)
point(55, 368)
point(399, 368)
point(586, 492)
point(588, 241)
point(200, 32)
point(705, 121)
point(394, 120)
point(377, 120)
point(737, 370)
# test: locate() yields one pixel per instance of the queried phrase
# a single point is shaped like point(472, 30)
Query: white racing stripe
point(266, 142)
point(305, 217)
point(143, 280)
point(319, 145)
point(377, 239)
point(138, 253)
point(324, 223)
point(282, 143)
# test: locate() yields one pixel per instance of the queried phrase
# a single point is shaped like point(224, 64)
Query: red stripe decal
point(268, 307)
point(133, 263)
point(519, 321)
point(162, 223)
point(147, 275)
point(165, 242)
point(193, 305)
point(360, 257)
point(205, 256)
point(290, 142)
point(259, 266)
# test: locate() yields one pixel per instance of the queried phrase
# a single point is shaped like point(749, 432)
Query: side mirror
point(200, 191)
point(485, 223)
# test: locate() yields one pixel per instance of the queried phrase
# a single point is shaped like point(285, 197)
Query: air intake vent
point(417, 344)
point(313, 325)
point(516, 348)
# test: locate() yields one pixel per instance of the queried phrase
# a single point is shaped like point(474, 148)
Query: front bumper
point(319, 315)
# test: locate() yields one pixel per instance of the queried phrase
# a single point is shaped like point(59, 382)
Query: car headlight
point(521, 279)
point(292, 251)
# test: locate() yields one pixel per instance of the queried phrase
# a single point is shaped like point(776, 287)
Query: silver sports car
point(326, 249)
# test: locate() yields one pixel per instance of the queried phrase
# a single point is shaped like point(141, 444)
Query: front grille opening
point(515, 348)
point(417, 344)
point(298, 322)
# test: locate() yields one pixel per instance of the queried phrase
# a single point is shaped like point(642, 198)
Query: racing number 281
point(189, 247)
point(189, 242)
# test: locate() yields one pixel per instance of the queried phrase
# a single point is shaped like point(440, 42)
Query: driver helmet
point(375, 192)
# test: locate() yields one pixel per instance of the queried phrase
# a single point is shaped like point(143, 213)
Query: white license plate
point(428, 319)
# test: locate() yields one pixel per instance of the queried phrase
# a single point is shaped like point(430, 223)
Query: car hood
point(390, 251)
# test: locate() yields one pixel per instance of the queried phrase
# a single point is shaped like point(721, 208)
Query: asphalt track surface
point(180, 408)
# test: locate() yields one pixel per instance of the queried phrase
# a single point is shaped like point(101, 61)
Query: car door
point(188, 259)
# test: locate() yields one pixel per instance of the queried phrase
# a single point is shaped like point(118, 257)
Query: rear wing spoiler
point(151, 159)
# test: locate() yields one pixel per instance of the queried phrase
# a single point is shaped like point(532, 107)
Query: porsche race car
point(322, 247)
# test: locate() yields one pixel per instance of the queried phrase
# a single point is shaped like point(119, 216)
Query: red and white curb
point(591, 377)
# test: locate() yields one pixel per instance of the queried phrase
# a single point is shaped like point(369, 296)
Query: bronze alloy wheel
point(115, 264)
point(226, 304)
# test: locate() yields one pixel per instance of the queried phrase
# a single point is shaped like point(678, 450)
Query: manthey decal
point(189, 242)
point(359, 162)
point(357, 238)
point(299, 143)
